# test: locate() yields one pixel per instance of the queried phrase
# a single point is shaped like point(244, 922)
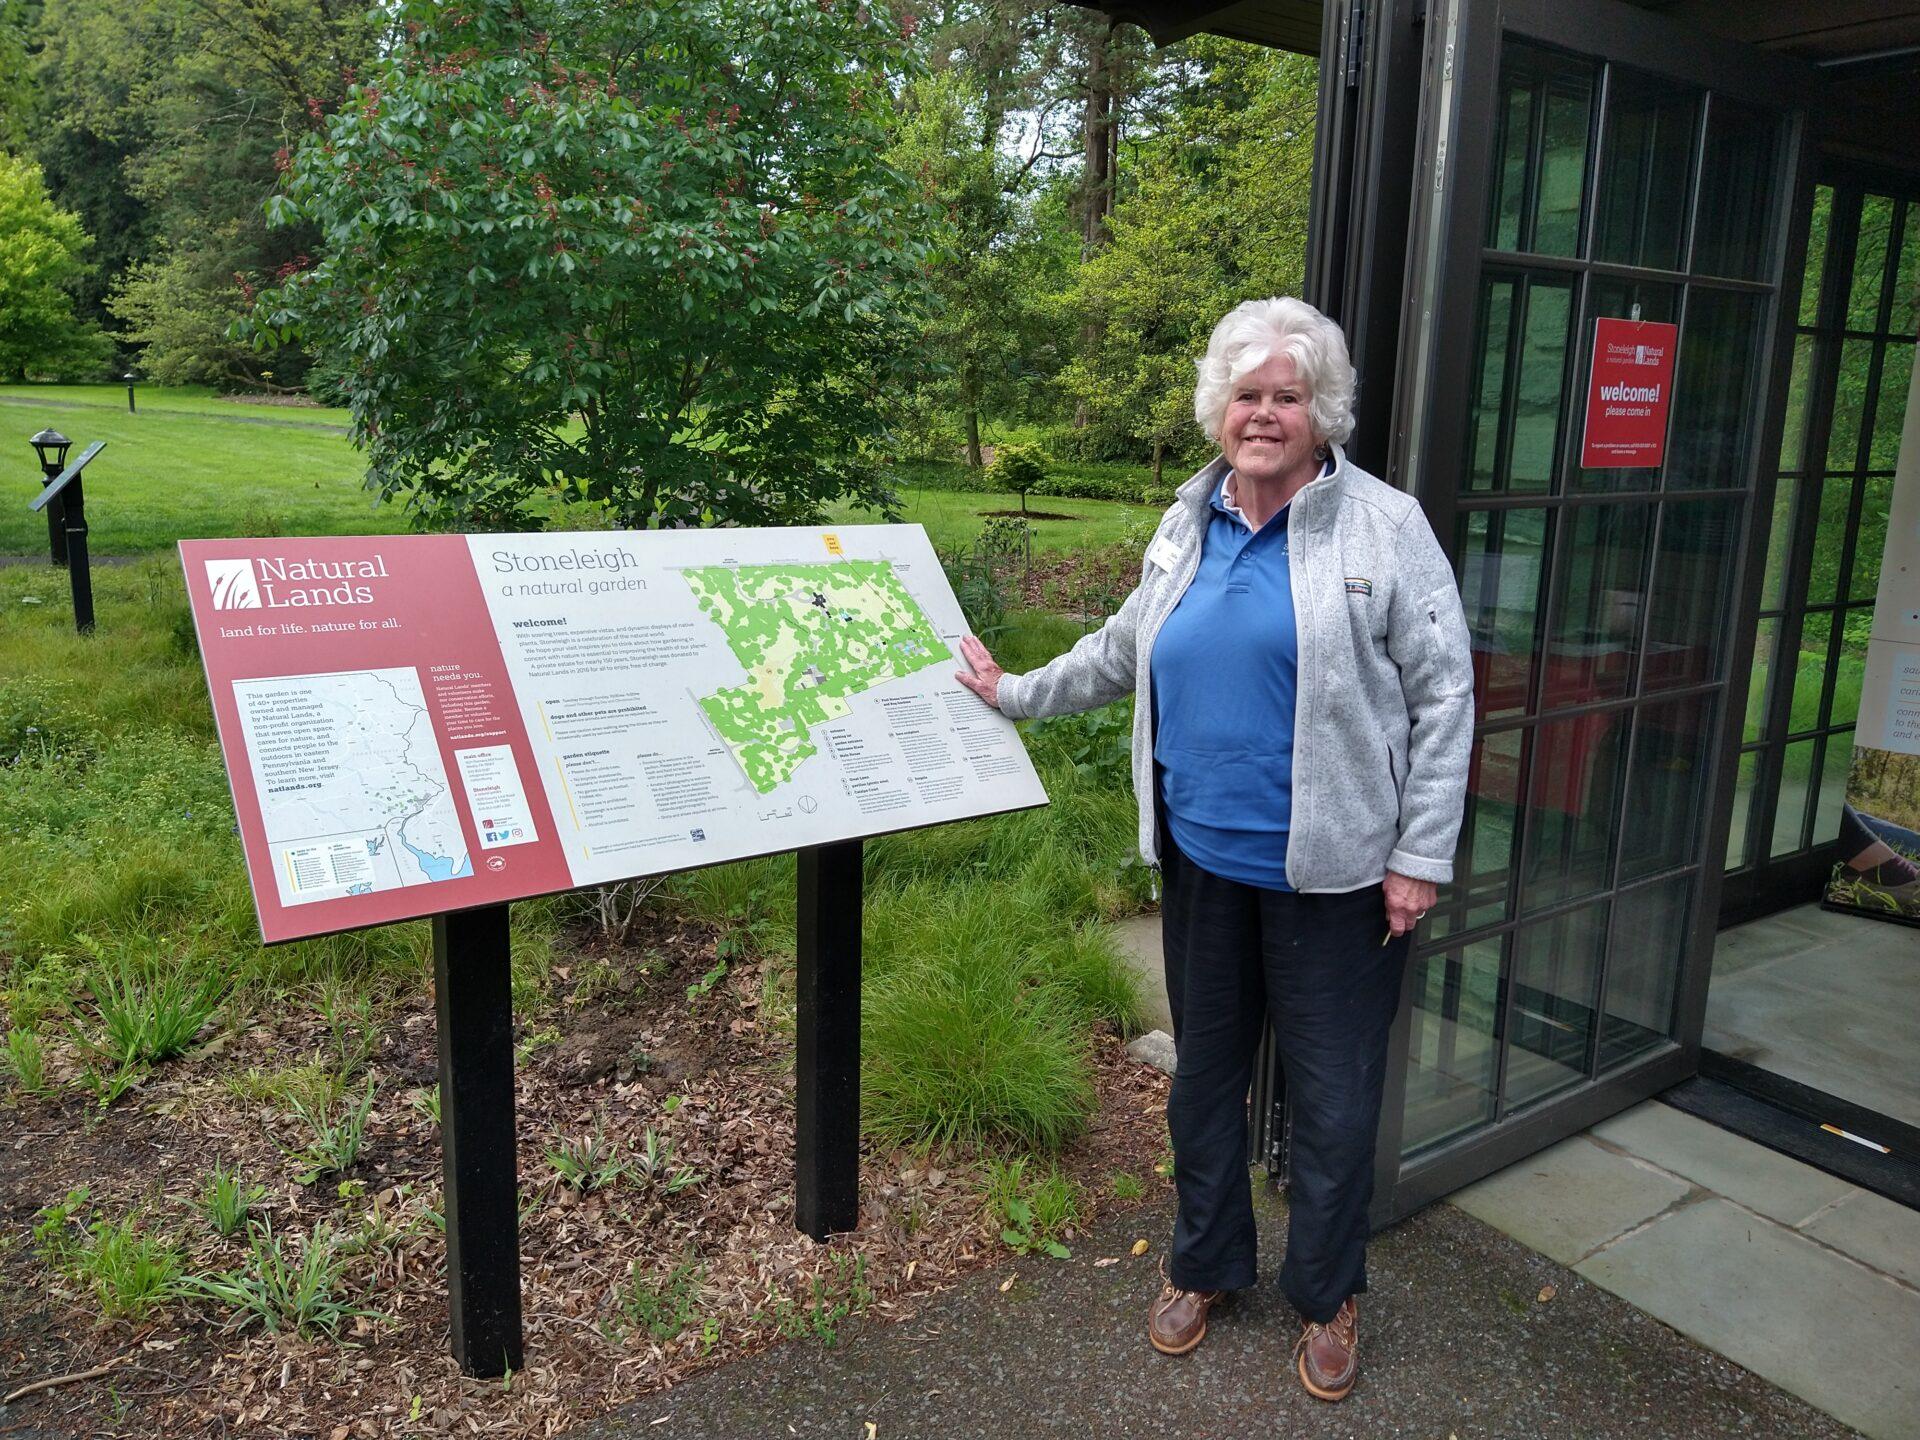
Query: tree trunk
point(1097, 144)
point(1159, 459)
point(973, 438)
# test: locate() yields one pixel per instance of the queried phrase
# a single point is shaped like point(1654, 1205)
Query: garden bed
point(629, 1284)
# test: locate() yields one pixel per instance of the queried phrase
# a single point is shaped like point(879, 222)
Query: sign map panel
point(423, 723)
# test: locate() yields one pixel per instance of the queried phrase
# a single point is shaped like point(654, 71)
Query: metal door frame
point(1764, 885)
point(1461, 72)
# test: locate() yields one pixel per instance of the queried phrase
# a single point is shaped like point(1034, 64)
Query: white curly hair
point(1255, 331)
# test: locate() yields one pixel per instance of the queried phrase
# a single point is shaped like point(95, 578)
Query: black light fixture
point(51, 440)
point(130, 377)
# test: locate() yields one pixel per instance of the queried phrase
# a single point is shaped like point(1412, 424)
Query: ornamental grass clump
point(285, 1287)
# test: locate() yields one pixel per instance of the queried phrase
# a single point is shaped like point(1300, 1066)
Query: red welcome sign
point(1628, 394)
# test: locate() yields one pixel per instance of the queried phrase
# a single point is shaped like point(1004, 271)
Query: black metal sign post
point(827, 1040)
point(473, 1005)
point(64, 491)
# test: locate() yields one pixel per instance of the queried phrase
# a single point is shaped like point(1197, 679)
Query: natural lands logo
point(238, 585)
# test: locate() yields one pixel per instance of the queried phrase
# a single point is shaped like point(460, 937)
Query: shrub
point(1016, 469)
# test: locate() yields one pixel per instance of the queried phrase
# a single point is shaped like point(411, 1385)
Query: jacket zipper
point(1191, 567)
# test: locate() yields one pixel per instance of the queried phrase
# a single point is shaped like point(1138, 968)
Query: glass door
point(1852, 365)
point(1581, 163)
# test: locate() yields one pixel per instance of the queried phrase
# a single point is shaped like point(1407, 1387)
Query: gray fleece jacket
point(1383, 720)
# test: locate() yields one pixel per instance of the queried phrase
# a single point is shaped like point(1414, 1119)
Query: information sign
point(427, 723)
point(1628, 394)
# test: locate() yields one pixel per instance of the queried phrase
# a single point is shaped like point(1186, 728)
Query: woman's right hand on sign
point(984, 680)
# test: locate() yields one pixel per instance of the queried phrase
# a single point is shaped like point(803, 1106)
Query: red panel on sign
point(304, 641)
point(1628, 395)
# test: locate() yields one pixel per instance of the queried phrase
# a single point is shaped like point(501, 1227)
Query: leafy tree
point(164, 124)
point(42, 250)
point(1214, 213)
point(646, 255)
point(994, 266)
point(1016, 469)
point(16, 74)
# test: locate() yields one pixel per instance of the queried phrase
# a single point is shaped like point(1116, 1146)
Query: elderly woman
point(1304, 713)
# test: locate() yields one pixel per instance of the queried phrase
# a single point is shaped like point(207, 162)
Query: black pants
point(1236, 957)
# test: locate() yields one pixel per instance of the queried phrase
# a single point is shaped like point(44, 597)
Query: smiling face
point(1266, 435)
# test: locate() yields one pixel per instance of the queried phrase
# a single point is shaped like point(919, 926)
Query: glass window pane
point(1510, 148)
point(1744, 781)
point(1649, 944)
point(1766, 636)
point(1599, 588)
point(1457, 999)
point(1713, 391)
point(1790, 812)
point(1817, 232)
point(1495, 343)
point(1513, 435)
point(1786, 493)
point(1870, 263)
point(1667, 786)
point(1738, 172)
point(1830, 539)
point(1793, 431)
point(1539, 398)
point(1615, 299)
point(1501, 567)
point(1540, 151)
point(1810, 672)
point(1856, 627)
point(1640, 213)
point(1483, 859)
point(1572, 797)
point(1890, 404)
point(1906, 282)
point(1691, 595)
point(1833, 787)
point(1849, 404)
point(1556, 972)
point(1870, 537)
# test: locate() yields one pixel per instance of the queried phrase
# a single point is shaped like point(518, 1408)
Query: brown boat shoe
point(1328, 1356)
point(1177, 1320)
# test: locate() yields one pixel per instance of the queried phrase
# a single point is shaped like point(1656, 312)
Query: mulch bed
point(1023, 515)
point(617, 1042)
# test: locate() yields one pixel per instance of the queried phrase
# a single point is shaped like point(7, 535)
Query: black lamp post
point(52, 448)
point(129, 377)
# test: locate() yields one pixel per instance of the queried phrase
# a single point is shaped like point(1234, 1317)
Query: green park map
point(810, 636)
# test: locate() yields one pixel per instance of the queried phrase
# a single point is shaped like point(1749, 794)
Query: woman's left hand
point(1407, 901)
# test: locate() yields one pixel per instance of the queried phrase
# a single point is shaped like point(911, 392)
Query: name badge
point(1164, 553)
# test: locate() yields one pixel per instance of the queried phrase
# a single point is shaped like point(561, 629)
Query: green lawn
point(175, 475)
point(954, 517)
point(157, 400)
point(190, 465)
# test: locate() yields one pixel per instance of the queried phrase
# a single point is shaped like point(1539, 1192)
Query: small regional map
point(352, 789)
point(811, 636)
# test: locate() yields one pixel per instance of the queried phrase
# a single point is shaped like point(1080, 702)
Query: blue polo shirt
point(1224, 668)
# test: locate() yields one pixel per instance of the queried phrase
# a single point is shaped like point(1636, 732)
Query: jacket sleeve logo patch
point(1359, 585)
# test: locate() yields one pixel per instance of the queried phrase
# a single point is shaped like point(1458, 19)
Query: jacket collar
point(1313, 504)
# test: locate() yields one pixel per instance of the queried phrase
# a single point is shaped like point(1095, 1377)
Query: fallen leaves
point(1140, 1247)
